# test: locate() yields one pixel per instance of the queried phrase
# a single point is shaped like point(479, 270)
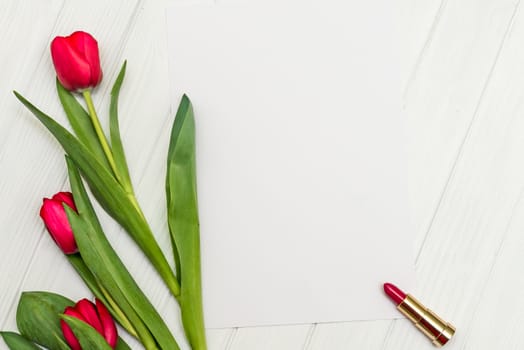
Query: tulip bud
point(97, 316)
point(76, 61)
point(56, 222)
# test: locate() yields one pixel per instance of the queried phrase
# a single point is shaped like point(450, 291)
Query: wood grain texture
point(491, 175)
point(463, 92)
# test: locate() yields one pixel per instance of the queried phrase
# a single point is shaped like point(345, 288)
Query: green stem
point(98, 130)
point(161, 265)
point(142, 333)
point(124, 321)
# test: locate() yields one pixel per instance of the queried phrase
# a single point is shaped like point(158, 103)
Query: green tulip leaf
point(122, 345)
point(183, 222)
point(114, 130)
point(15, 341)
point(87, 336)
point(81, 123)
point(128, 317)
point(107, 267)
point(37, 318)
point(89, 279)
point(109, 193)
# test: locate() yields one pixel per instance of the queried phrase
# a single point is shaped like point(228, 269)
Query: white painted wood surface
point(464, 83)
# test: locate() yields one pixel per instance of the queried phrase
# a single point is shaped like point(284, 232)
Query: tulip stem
point(164, 270)
point(98, 130)
point(121, 317)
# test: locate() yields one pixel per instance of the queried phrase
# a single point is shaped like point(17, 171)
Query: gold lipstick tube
point(435, 328)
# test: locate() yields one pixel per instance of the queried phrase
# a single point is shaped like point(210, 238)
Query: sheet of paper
point(301, 169)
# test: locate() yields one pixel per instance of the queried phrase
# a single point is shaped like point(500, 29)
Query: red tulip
point(56, 222)
point(76, 61)
point(97, 316)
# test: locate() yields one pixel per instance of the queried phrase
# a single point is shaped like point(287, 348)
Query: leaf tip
point(21, 98)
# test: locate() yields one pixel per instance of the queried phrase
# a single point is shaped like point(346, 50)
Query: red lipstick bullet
point(436, 329)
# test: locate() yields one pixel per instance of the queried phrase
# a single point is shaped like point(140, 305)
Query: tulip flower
point(97, 316)
point(77, 66)
point(76, 61)
point(56, 222)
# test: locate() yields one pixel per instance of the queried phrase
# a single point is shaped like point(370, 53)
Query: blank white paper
point(301, 168)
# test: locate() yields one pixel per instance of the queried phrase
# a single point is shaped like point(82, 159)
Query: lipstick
point(436, 329)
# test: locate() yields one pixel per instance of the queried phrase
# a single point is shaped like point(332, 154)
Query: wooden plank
point(442, 96)
point(350, 335)
point(483, 209)
point(25, 33)
point(471, 225)
point(497, 321)
point(267, 338)
point(26, 29)
point(33, 162)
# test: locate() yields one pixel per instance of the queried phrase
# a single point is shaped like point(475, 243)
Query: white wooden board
point(464, 87)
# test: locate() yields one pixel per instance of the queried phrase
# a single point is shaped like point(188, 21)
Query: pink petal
point(85, 43)
point(55, 219)
point(66, 330)
point(76, 40)
point(87, 309)
point(67, 198)
point(72, 69)
point(108, 324)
